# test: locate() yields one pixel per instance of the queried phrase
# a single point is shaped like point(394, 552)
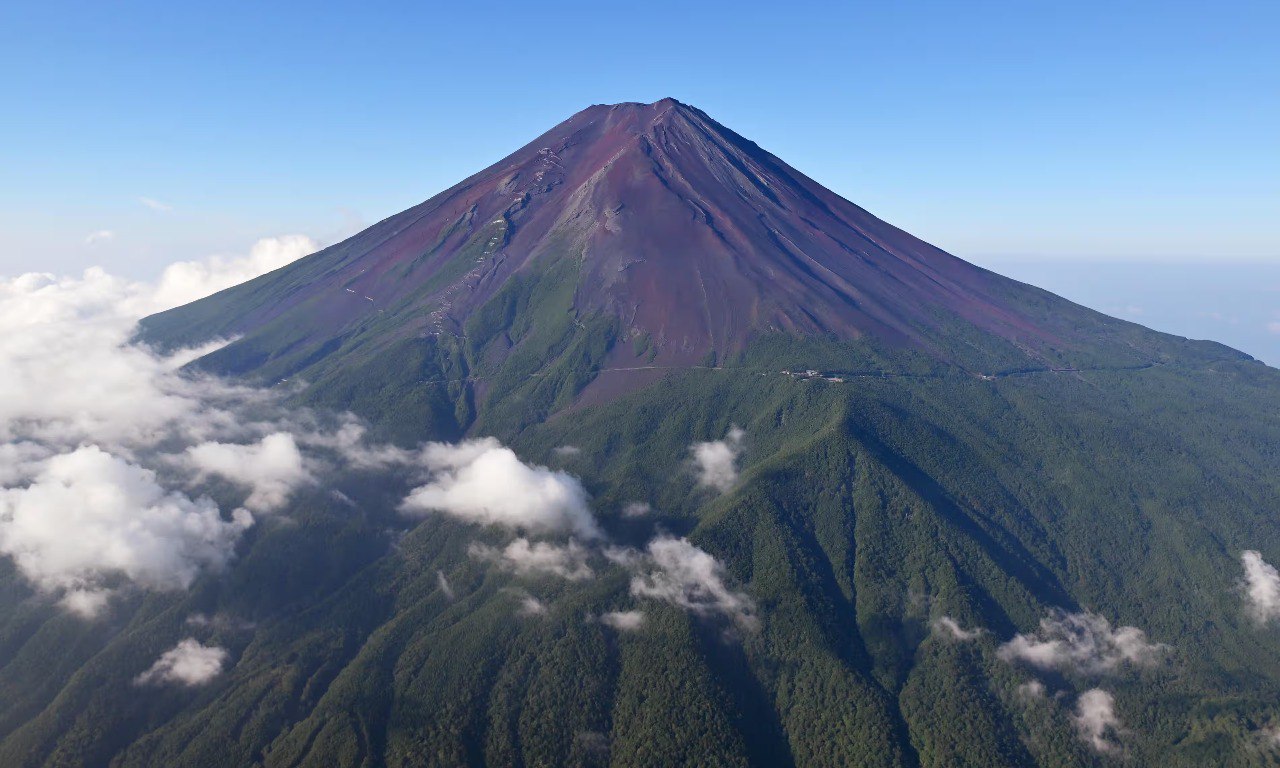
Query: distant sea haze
point(1235, 303)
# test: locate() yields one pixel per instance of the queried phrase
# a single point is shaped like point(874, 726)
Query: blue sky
point(1018, 132)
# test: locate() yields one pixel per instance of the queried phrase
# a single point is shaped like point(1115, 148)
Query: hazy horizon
point(1237, 304)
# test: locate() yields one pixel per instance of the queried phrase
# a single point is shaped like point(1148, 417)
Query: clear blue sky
point(1092, 131)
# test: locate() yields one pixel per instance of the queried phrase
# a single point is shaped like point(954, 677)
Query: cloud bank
point(94, 429)
point(189, 663)
point(104, 443)
point(90, 516)
point(717, 461)
point(1083, 643)
point(68, 374)
point(187, 281)
point(482, 481)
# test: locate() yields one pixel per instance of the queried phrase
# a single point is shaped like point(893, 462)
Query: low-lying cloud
point(69, 374)
point(717, 461)
point(94, 430)
point(446, 588)
point(684, 575)
point(189, 664)
point(187, 281)
point(531, 606)
point(271, 468)
point(89, 517)
point(1262, 587)
point(636, 509)
point(482, 481)
point(623, 621)
point(568, 561)
point(949, 627)
point(1096, 720)
point(105, 444)
point(1083, 643)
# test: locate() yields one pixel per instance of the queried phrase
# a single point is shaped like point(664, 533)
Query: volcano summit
point(689, 242)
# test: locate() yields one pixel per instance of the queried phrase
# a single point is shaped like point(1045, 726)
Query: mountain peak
point(627, 118)
point(687, 241)
point(656, 107)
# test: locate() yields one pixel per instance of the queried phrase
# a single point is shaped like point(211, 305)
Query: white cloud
point(1095, 718)
point(1032, 690)
point(99, 236)
point(69, 374)
point(692, 579)
point(717, 461)
point(636, 509)
point(222, 622)
point(85, 603)
point(348, 441)
point(484, 482)
point(525, 559)
point(272, 468)
point(89, 516)
point(949, 627)
point(1262, 587)
point(155, 205)
point(84, 412)
point(189, 663)
point(187, 281)
point(71, 378)
point(1274, 327)
point(566, 451)
point(627, 557)
point(1082, 642)
point(446, 588)
point(531, 606)
point(623, 621)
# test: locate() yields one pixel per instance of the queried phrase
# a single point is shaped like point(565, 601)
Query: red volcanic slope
point(685, 231)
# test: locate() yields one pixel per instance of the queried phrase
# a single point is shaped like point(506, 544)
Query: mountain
point(637, 236)
point(944, 518)
point(673, 226)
